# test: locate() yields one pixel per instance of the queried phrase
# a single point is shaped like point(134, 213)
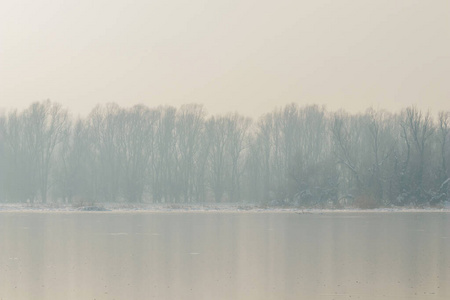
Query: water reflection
point(224, 256)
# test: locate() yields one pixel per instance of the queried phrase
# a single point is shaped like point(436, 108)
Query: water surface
point(224, 256)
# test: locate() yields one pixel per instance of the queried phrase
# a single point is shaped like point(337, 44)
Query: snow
point(205, 208)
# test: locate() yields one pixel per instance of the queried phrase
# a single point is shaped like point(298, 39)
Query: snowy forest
point(302, 156)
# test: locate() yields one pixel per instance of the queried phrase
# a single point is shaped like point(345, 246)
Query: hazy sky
point(245, 55)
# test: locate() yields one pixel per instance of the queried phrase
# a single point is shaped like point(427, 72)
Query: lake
point(204, 255)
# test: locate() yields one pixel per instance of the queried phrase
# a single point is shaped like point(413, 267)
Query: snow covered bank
point(219, 208)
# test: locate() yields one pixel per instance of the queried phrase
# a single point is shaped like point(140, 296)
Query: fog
point(224, 149)
point(293, 156)
point(247, 56)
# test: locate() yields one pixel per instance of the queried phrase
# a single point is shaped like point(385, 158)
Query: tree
point(188, 127)
point(33, 137)
point(21, 170)
point(237, 128)
point(164, 166)
point(137, 149)
point(104, 126)
point(217, 132)
point(417, 130)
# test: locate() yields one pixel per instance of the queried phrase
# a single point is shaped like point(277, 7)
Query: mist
point(251, 149)
point(245, 56)
point(293, 156)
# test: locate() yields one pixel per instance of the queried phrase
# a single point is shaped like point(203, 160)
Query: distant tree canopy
point(295, 155)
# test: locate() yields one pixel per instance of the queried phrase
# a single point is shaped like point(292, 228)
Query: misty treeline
point(292, 156)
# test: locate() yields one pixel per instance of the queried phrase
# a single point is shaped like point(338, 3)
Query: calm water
point(224, 256)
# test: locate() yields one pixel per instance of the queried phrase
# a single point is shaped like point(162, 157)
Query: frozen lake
point(224, 256)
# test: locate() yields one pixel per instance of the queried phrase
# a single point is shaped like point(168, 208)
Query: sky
point(249, 56)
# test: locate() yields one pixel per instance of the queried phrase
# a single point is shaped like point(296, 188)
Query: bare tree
point(443, 132)
point(420, 129)
point(47, 124)
point(218, 136)
point(189, 127)
point(344, 143)
point(164, 166)
point(136, 148)
point(237, 128)
point(104, 133)
point(21, 178)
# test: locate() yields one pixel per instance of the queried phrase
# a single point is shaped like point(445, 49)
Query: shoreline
point(204, 208)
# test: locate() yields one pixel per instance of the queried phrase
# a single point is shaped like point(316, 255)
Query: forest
point(301, 156)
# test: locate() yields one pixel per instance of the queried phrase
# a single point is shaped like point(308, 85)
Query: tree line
point(294, 155)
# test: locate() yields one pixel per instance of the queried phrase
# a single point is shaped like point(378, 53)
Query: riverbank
point(228, 207)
